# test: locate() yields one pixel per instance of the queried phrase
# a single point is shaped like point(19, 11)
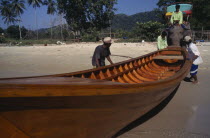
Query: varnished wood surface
point(94, 103)
point(57, 81)
point(169, 57)
point(8, 130)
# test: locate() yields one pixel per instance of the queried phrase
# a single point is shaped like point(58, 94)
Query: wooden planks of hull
point(94, 103)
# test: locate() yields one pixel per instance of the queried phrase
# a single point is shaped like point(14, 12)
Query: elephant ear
point(187, 33)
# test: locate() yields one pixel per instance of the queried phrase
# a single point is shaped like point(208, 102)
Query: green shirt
point(177, 16)
point(162, 43)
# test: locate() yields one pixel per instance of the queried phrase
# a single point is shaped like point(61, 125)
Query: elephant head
point(176, 35)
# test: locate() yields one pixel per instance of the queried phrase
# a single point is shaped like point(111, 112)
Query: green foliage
point(148, 31)
point(18, 7)
point(85, 14)
point(201, 14)
point(1, 30)
point(65, 34)
point(88, 38)
point(121, 33)
point(35, 3)
point(2, 40)
point(11, 10)
point(7, 13)
point(51, 6)
point(125, 22)
point(45, 33)
point(13, 31)
point(90, 35)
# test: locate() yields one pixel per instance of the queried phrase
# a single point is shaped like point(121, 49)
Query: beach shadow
point(147, 116)
point(187, 79)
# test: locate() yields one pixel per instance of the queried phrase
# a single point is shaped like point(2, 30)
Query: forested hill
point(125, 22)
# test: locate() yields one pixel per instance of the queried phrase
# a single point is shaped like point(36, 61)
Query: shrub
point(2, 40)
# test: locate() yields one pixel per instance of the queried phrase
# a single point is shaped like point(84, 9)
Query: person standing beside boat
point(162, 41)
point(177, 16)
point(101, 52)
point(195, 56)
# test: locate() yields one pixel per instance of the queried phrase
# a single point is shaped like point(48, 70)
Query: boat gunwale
point(100, 68)
point(83, 71)
point(106, 67)
point(174, 80)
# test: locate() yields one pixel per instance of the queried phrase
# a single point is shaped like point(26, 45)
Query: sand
point(45, 60)
point(186, 116)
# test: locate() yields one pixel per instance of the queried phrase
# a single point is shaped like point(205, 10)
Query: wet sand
point(185, 116)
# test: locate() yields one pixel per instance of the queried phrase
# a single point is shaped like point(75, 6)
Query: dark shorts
point(194, 70)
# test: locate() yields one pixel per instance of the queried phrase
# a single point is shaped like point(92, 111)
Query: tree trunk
point(110, 29)
point(61, 23)
point(20, 31)
point(51, 26)
point(37, 33)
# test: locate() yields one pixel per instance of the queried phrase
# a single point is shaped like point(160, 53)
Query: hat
point(108, 40)
point(187, 38)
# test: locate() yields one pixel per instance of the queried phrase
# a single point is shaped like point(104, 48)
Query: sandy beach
point(186, 115)
point(45, 60)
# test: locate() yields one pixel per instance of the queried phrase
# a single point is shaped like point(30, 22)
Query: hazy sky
point(128, 7)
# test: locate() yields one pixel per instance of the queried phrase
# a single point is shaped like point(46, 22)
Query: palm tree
point(51, 9)
point(6, 11)
point(18, 7)
point(35, 4)
point(61, 25)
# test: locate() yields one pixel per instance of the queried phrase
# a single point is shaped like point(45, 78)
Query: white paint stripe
point(194, 71)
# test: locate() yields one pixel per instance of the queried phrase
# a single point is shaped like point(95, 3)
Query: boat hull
point(94, 116)
point(79, 105)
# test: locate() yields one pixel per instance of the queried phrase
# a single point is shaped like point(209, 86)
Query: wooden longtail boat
point(95, 103)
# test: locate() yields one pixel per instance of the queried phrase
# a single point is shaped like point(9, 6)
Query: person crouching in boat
point(101, 52)
point(162, 41)
point(194, 55)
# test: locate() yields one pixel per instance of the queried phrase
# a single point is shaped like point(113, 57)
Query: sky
point(128, 7)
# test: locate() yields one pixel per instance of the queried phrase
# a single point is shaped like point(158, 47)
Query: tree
point(2, 38)
point(51, 9)
point(7, 13)
point(35, 4)
point(84, 14)
point(148, 31)
point(1, 30)
point(13, 31)
point(18, 7)
point(61, 24)
point(201, 14)
point(11, 10)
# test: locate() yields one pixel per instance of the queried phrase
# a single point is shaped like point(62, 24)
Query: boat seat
point(169, 57)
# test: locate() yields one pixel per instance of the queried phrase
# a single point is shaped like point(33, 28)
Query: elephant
point(176, 35)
